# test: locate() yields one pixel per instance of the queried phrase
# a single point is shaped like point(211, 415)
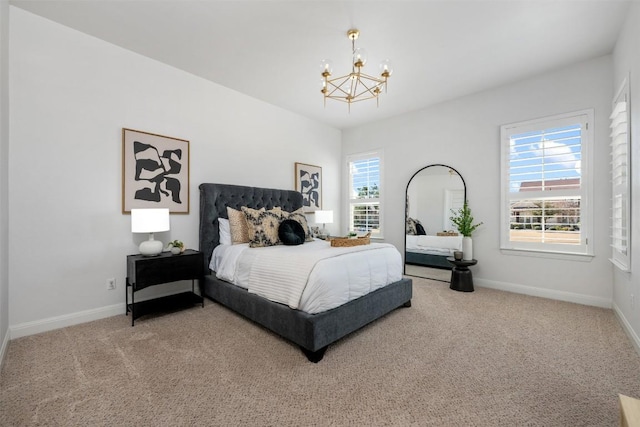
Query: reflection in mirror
point(432, 193)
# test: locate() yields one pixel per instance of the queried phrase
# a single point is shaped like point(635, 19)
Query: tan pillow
point(263, 226)
point(238, 226)
point(298, 215)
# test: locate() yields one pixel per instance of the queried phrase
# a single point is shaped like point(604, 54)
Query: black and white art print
point(309, 183)
point(155, 172)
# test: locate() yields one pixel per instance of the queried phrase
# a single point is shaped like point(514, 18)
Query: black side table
point(144, 271)
point(461, 278)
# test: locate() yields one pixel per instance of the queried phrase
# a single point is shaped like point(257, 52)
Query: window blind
point(620, 168)
point(545, 184)
point(364, 198)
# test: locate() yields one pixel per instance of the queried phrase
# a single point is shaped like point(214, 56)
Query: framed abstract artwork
point(308, 180)
point(155, 172)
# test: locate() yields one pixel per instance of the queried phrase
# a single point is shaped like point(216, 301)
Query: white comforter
point(317, 276)
point(441, 245)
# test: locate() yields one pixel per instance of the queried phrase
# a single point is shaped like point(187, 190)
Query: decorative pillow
point(420, 231)
point(225, 231)
point(298, 215)
point(263, 227)
point(291, 232)
point(410, 226)
point(238, 226)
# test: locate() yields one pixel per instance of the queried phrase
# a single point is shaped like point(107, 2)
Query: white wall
point(4, 176)
point(627, 64)
point(71, 95)
point(464, 133)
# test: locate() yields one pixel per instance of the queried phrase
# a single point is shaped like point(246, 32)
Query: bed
point(431, 251)
point(313, 333)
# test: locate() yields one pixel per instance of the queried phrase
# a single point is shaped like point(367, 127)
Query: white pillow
point(225, 231)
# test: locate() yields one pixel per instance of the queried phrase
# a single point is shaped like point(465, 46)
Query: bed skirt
point(312, 332)
point(428, 260)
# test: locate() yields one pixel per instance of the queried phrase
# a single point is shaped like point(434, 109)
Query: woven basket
point(343, 242)
point(447, 233)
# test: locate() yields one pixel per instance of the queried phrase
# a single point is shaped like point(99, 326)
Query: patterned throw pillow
point(411, 226)
point(263, 226)
point(238, 226)
point(298, 215)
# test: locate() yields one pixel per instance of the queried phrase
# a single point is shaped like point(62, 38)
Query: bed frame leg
point(314, 356)
point(407, 304)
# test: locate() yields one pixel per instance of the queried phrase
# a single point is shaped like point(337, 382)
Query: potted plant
point(463, 220)
point(352, 235)
point(176, 247)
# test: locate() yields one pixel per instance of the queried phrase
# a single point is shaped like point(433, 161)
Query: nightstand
point(461, 277)
point(144, 271)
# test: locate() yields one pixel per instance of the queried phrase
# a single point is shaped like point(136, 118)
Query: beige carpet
point(486, 358)
point(428, 272)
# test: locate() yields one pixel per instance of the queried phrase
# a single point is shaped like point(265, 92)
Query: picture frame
point(308, 181)
point(155, 172)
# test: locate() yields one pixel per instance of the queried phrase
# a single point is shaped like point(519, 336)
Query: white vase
point(467, 248)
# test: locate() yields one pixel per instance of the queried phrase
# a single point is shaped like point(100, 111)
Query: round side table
point(461, 278)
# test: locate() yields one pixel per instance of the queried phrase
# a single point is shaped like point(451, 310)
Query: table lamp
point(150, 221)
point(324, 217)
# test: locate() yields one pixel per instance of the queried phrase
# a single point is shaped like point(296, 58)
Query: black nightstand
point(144, 271)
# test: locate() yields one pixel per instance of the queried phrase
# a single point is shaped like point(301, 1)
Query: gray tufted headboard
point(214, 199)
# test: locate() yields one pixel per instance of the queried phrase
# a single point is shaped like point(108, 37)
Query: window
point(365, 190)
point(620, 173)
point(545, 184)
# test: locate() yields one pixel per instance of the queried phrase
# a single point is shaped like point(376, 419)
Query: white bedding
point(333, 278)
point(437, 245)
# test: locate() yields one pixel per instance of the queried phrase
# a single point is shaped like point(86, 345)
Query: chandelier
point(355, 86)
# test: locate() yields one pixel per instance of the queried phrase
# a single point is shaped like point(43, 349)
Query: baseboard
point(544, 293)
point(44, 325)
point(627, 328)
point(3, 348)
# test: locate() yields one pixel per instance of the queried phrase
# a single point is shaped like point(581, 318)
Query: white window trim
point(354, 158)
point(620, 137)
point(586, 206)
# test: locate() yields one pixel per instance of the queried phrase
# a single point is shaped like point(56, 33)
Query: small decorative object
point(150, 221)
point(352, 235)
point(457, 255)
point(463, 220)
point(308, 182)
point(176, 247)
point(467, 248)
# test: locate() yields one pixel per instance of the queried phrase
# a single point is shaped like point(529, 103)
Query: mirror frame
point(406, 194)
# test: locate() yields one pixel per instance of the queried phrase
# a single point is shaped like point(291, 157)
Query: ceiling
point(271, 50)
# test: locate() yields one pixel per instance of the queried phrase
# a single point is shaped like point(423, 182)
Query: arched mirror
point(430, 237)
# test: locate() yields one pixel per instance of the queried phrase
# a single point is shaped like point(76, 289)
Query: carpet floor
point(487, 358)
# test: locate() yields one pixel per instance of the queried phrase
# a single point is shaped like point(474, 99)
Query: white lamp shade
point(324, 217)
point(149, 220)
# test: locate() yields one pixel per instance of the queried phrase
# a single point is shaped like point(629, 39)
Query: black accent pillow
point(291, 232)
point(420, 229)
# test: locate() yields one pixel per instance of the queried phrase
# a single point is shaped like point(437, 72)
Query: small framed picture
point(308, 181)
point(155, 172)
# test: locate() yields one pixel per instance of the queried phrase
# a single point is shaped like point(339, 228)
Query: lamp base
point(151, 247)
